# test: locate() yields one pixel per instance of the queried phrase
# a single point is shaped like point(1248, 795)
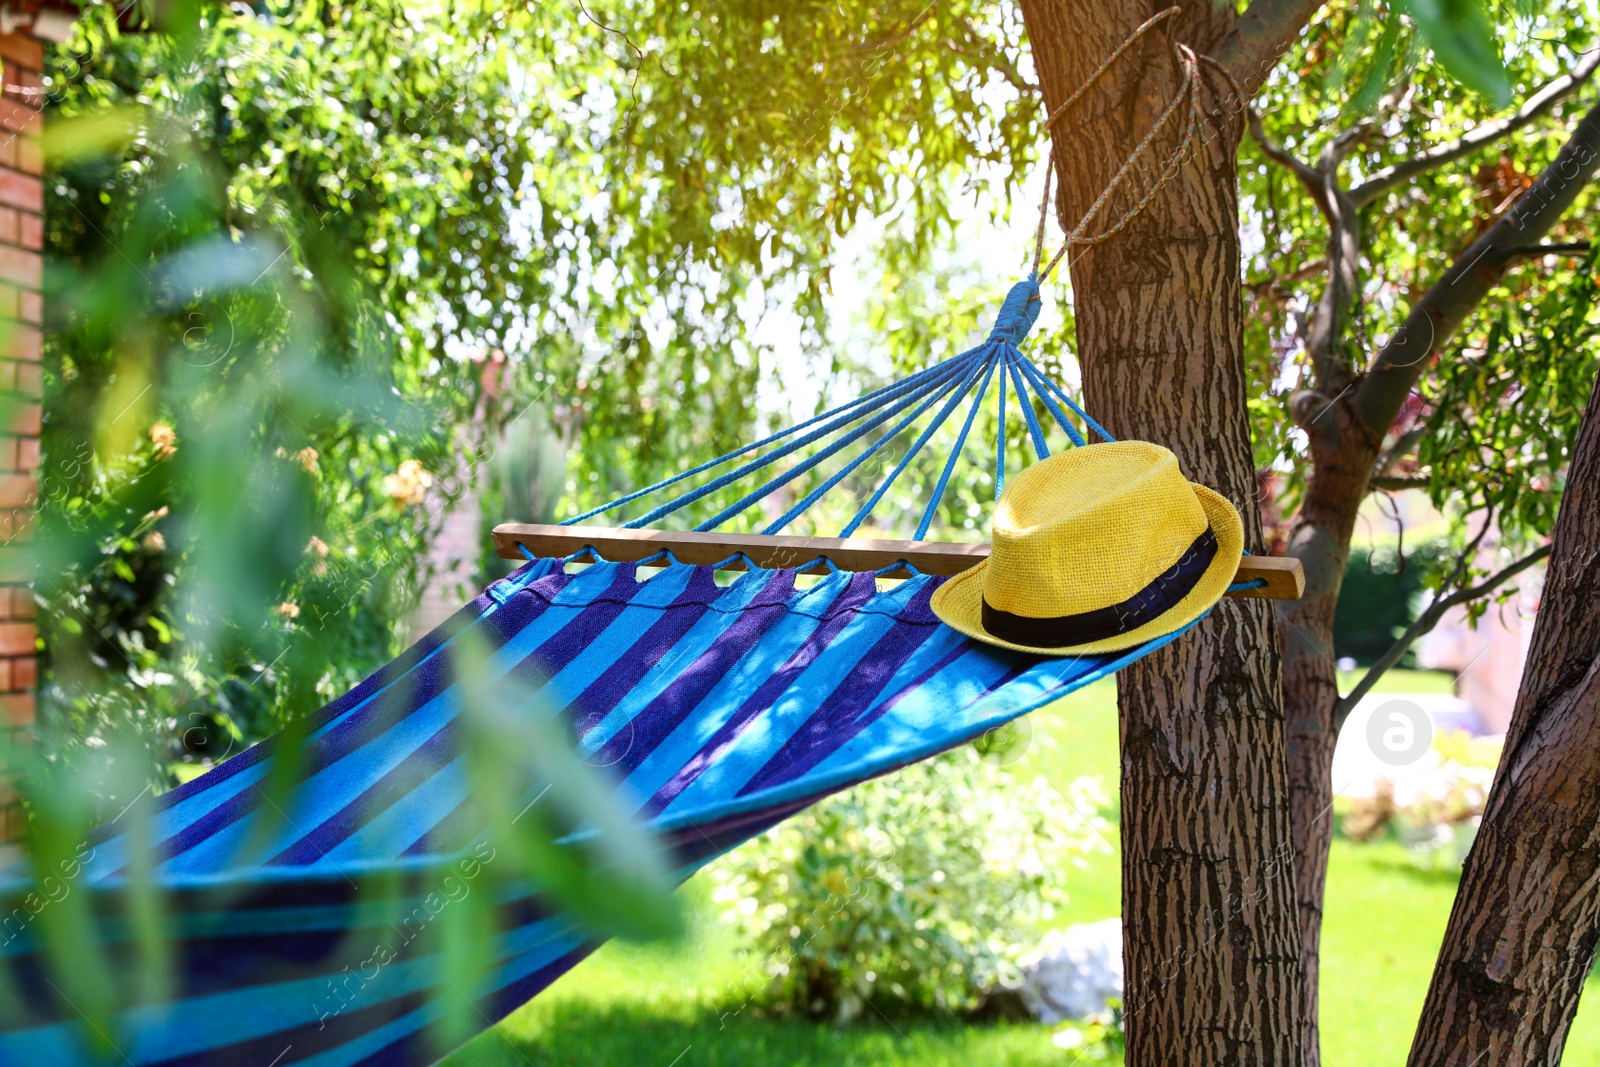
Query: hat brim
point(959, 601)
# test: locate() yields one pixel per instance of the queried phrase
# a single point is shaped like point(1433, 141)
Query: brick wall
point(21, 269)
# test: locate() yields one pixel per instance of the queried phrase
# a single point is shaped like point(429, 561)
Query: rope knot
point(1018, 314)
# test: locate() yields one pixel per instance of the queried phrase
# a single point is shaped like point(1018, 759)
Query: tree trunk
point(1522, 934)
point(1345, 425)
point(1211, 948)
point(1342, 458)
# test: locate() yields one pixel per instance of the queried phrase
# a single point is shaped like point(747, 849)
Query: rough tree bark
point(1522, 934)
point(1211, 948)
point(1346, 419)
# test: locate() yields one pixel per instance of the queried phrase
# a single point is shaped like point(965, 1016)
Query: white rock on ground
point(1074, 972)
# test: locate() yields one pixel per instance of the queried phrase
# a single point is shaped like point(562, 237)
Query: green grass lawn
point(685, 1005)
point(1402, 681)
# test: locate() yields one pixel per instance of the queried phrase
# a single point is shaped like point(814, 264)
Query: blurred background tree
point(283, 239)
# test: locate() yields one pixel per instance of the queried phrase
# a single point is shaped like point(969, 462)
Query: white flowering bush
point(919, 890)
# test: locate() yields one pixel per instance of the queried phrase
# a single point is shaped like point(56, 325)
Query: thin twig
point(1464, 559)
point(1280, 282)
point(1402, 447)
point(1309, 176)
point(1551, 249)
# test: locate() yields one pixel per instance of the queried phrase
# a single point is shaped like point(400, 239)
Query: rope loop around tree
point(1186, 99)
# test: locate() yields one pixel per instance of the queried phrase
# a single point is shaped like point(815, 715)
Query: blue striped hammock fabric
point(720, 710)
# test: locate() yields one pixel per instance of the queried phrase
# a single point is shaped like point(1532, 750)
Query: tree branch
point(1339, 145)
point(1535, 251)
point(1309, 176)
point(1343, 249)
point(1426, 622)
point(1259, 38)
point(1402, 448)
point(1279, 283)
point(1553, 92)
point(1395, 485)
point(1334, 372)
point(1446, 305)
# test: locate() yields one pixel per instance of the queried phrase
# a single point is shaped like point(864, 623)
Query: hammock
point(732, 708)
point(720, 709)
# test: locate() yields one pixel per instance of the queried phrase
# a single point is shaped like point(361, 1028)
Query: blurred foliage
point(1497, 424)
point(1097, 1039)
point(1435, 814)
point(283, 238)
point(263, 238)
point(918, 891)
point(1488, 430)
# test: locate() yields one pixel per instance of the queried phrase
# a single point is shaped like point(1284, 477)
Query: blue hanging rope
point(793, 472)
point(817, 493)
point(955, 454)
point(750, 564)
point(1040, 449)
point(1000, 440)
point(1035, 375)
point(665, 553)
point(1082, 414)
point(882, 394)
point(902, 397)
point(950, 381)
point(911, 453)
point(1018, 313)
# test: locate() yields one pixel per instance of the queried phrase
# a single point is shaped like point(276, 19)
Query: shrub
point(1382, 595)
point(916, 891)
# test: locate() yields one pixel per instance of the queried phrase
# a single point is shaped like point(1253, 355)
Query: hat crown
point(1089, 528)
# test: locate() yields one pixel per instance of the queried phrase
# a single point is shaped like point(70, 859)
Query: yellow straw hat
point(1097, 549)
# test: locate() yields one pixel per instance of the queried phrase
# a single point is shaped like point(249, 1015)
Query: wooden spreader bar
point(1283, 577)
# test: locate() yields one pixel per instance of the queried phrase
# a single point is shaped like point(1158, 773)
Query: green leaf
point(1381, 72)
point(1462, 37)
